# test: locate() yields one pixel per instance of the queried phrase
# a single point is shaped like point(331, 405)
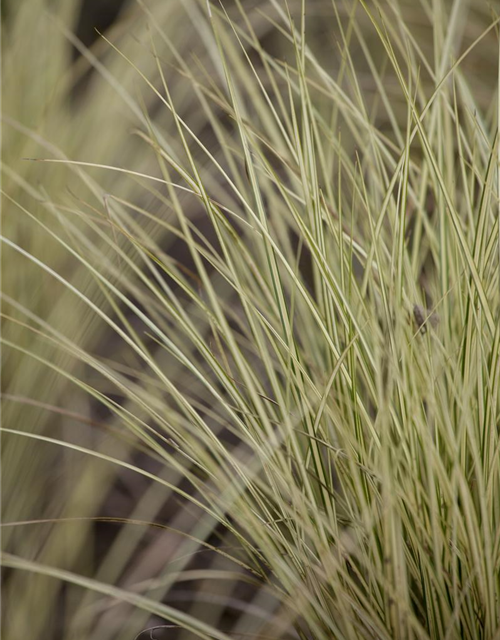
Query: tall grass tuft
point(251, 322)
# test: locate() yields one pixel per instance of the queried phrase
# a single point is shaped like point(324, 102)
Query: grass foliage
point(251, 322)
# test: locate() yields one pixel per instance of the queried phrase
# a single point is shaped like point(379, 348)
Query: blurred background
point(68, 95)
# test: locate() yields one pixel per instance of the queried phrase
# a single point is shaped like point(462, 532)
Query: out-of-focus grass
point(251, 337)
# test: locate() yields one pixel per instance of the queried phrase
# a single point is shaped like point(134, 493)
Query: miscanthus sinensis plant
point(255, 280)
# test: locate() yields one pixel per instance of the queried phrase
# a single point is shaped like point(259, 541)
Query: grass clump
point(252, 351)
